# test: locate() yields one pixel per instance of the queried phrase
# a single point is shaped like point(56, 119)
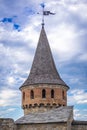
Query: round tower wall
point(43, 97)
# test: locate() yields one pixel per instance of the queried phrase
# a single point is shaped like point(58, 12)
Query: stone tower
point(43, 89)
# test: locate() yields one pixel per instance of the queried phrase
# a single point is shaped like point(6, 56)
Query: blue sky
point(20, 27)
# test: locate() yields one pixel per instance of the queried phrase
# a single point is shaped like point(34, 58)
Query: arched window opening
point(52, 93)
point(41, 105)
point(32, 94)
point(63, 94)
point(30, 105)
point(35, 105)
point(23, 95)
point(43, 93)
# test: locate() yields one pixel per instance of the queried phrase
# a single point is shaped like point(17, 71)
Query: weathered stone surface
point(79, 125)
point(60, 114)
point(55, 126)
point(7, 124)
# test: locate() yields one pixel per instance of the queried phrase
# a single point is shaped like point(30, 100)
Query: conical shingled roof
point(43, 70)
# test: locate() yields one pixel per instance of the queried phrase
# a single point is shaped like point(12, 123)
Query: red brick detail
point(58, 99)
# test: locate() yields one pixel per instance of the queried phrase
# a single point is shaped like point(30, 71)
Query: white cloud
point(64, 41)
point(9, 97)
point(11, 80)
point(79, 114)
point(83, 57)
point(80, 9)
point(74, 80)
point(77, 96)
point(6, 111)
point(14, 55)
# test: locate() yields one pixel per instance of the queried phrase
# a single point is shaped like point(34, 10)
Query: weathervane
point(45, 13)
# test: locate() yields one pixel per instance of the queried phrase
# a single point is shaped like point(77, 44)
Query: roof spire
point(43, 70)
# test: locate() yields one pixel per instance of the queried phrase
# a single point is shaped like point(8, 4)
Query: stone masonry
point(7, 124)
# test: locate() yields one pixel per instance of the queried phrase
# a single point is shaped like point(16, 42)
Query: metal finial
point(43, 5)
point(45, 13)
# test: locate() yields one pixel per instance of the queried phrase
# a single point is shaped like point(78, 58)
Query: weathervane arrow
point(45, 13)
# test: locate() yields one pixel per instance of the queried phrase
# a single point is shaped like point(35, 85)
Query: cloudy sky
point(20, 26)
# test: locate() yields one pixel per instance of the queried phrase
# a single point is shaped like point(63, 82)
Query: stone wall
point(79, 125)
point(49, 126)
point(7, 124)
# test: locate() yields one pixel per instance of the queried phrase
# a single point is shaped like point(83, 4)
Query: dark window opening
point(30, 105)
point(41, 105)
point(52, 93)
point(35, 105)
point(32, 94)
point(23, 95)
point(63, 94)
point(43, 93)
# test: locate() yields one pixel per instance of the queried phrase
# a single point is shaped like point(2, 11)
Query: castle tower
point(43, 89)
